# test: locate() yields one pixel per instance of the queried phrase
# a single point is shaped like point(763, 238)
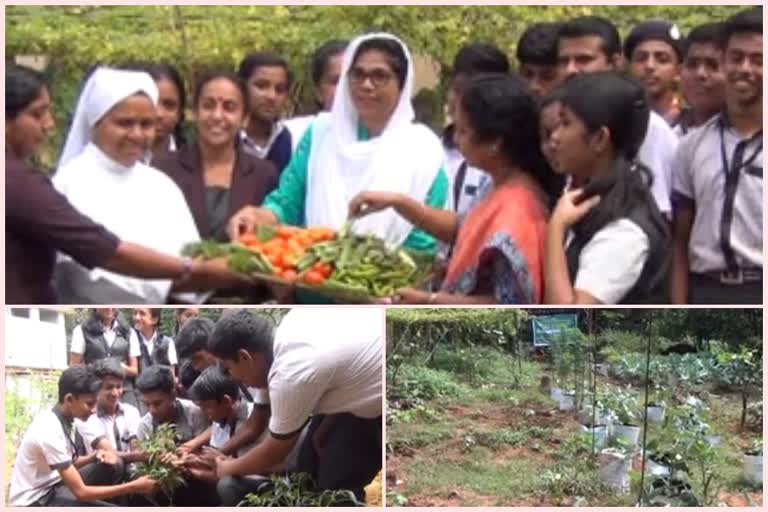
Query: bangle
point(186, 267)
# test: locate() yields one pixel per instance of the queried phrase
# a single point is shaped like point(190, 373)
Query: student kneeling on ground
point(51, 467)
point(158, 390)
point(114, 426)
point(321, 366)
point(218, 395)
point(191, 343)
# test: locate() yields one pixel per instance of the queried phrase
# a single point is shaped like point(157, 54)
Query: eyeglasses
point(378, 77)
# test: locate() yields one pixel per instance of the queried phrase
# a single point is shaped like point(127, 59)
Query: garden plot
point(504, 430)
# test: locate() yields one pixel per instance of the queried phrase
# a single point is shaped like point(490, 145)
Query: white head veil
point(405, 158)
point(104, 89)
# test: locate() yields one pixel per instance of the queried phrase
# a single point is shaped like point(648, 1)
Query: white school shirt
point(194, 423)
point(326, 361)
point(700, 177)
point(43, 451)
point(611, 262)
point(221, 434)
point(99, 425)
point(78, 340)
point(658, 154)
point(150, 344)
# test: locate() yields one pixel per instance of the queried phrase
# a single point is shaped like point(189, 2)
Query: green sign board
point(546, 329)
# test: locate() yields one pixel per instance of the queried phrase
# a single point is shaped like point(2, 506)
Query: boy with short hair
point(218, 395)
point(702, 77)
point(158, 390)
point(51, 468)
point(537, 56)
point(114, 425)
point(654, 50)
point(322, 367)
point(192, 343)
point(718, 225)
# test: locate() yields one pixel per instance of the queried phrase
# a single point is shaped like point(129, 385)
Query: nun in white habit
point(103, 174)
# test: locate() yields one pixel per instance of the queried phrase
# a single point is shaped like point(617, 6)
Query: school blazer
point(252, 179)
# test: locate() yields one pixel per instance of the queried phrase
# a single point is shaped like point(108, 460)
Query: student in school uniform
point(654, 51)
point(155, 347)
point(158, 390)
point(718, 227)
point(607, 242)
point(322, 367)
point(218, 395)
point(537, 57)
point(269, 79)
point(51, 467)
point(702, 80)
point(105, 334)
point(114, 425)
point(192, 345)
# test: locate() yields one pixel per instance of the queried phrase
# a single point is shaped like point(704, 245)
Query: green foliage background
point(202, 37)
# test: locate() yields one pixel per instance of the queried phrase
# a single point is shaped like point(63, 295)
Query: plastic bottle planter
point(614, 469)
point(567, 401)
point(753, 468)
point(713, 441)
point(600, 433)
point(555, 393)
point(629, 433)
point(656, 414)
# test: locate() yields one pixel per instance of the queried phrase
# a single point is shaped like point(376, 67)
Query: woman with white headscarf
point(102, 174)
point(368, 141)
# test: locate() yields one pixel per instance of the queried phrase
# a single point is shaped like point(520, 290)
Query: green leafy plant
point(161, 442)
point(297, 490)
point(743, 371)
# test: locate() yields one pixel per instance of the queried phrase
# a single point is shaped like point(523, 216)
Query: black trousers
point(93, 474)
point(232, 489)
point(349, 459)
point(706, 290)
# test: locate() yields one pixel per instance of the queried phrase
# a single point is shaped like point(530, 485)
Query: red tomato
point(313, 277)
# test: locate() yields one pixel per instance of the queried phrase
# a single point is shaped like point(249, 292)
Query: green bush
point(422, 383)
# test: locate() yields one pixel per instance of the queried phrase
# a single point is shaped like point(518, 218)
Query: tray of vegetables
point(341, 266)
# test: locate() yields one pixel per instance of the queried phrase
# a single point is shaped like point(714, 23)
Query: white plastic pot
point(712, 440)
point(614, 470)
point(753, 468)
point(655, 469)
point(630, 434)
point(656, 414)
point(555, 393)
point(567, 402)
point(600, 433)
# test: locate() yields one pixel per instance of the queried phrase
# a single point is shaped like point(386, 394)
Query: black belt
point(736, 277)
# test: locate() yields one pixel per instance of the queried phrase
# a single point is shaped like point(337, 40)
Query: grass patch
point(418, 435)
point(476, 473)
point(507, 437)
